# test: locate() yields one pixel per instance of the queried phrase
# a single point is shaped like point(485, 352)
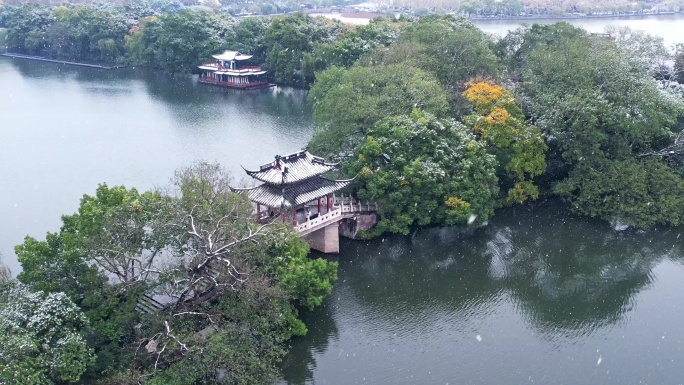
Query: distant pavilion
point(227, 70)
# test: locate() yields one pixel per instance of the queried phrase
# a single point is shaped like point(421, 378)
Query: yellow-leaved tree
point(499, 122)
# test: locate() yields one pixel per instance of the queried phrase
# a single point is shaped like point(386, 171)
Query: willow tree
point(179, 42)
point(87, 32)
point(289, 39)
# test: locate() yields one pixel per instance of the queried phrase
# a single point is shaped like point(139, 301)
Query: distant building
point(228, 71)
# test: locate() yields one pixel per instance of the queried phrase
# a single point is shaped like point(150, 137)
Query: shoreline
point(365, 16)
point(40, 58)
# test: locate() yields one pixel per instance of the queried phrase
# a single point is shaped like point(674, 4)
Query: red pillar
point(319, 206)
point(294, 216)
point(282, 215)
point(327, 203)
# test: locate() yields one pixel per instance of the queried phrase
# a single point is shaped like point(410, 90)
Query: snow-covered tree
point(39, 338)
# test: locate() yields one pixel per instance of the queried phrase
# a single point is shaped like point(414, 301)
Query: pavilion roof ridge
point(241, 189)
point(292, 168)
point(295, 155)
point(340, 180)
point(231, 55)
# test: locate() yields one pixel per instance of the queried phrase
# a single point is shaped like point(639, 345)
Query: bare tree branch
point(676, 148)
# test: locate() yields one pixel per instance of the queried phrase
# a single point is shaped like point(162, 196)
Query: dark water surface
point(538, 297)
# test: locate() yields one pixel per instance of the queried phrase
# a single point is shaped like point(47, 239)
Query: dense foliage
point(232, 286)
point(361, 113)
point(452, 49)
point(26, 27)
point(577, 111)
point(424, 171)
point(40, 339)
point(679, 64)
point(615, 117)
point(290, 39)
point(86, 33)
point(631, 191)
point(348, 102)
point(178, 42)
point(58, 265)
point(354, 43)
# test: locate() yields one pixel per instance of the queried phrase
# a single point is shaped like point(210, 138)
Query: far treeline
point(173, 38)
point(470, 8)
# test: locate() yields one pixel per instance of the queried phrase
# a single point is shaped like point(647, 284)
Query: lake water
point(538, 296)
point(670, 27)
point(65, 129)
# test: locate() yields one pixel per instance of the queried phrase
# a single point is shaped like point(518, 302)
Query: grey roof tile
point(295, 195)
point(292, 168)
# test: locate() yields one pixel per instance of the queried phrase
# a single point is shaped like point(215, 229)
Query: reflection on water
point(301, 360)
point(186, 99)
point(534, 294)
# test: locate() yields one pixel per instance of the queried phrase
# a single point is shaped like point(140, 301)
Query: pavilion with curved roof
point(228, 71)
point(294, 186)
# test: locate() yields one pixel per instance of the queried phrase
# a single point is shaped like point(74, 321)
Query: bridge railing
point(340, 208)
point(318, 222)
point(351, 205)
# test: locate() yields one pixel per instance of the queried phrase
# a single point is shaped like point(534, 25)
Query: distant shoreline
point(573, 17)
point(371, 15)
